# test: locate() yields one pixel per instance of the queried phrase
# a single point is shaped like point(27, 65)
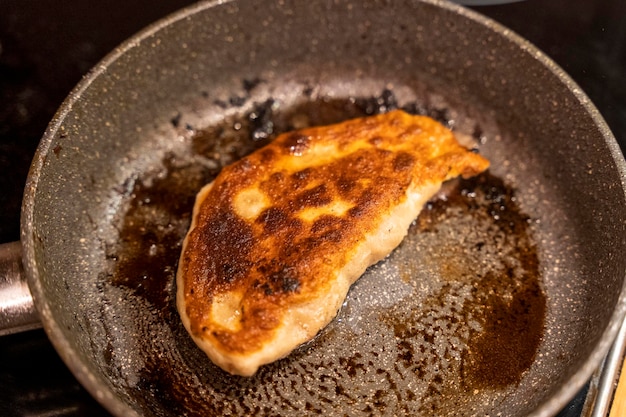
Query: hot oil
point(462, 319)
point(479, 328)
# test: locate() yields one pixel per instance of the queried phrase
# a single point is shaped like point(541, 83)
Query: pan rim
point(113, 403)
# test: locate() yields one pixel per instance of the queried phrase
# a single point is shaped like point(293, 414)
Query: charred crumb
point(237, 101)
point(387, 101)
point(415, 108)
point(261, 120)
point(251, 84)
point(175, 121)
point(220, 103)
point(383, 103)
point(441, 115)
point(479, 135)
point(233, 101)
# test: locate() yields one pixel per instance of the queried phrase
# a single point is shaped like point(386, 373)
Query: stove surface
point(47, 46)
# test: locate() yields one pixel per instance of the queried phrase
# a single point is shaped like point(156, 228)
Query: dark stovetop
point(46, 46)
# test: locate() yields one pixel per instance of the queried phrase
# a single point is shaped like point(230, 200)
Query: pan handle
point(17, 310)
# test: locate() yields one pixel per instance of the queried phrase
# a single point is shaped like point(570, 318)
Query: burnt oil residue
point(466, 322)
point(481, 328)
point(158, 214)
point(509, 302)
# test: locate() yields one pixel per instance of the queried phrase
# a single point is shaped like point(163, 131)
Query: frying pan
point(502, 300)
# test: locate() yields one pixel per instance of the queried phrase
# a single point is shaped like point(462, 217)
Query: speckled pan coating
point(131, 124)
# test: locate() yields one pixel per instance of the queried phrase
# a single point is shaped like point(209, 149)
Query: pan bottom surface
point(451, 323)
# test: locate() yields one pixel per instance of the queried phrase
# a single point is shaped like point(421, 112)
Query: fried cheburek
point(277, 239)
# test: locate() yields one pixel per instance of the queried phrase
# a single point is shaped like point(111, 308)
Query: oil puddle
point(479, 329)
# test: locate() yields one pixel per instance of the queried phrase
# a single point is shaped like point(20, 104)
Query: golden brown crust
point(274, 231)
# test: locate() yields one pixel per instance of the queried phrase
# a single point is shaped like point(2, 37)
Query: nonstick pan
point(502, 300)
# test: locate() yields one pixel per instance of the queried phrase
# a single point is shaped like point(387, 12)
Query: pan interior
point(500, 293)
point(415, 330)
